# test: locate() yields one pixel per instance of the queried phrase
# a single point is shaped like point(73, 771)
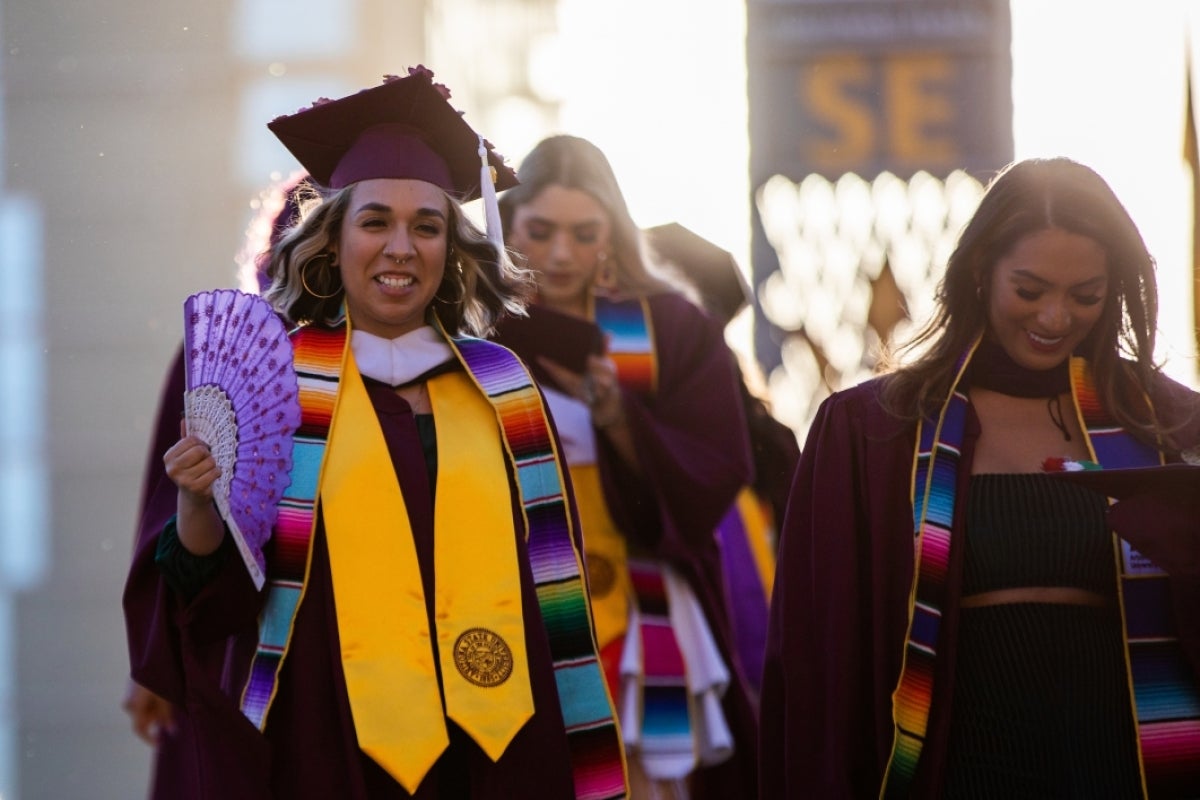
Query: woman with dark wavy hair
point(951, 617)
point(424, 628)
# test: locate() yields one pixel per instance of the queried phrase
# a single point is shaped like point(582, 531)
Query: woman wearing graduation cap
point(952, 616)
point(425, 630)
point(654, 433)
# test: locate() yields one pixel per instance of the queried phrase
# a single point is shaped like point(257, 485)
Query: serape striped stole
point(744, 533)
point(555, 563)
point(1166, 703)
point(1166, 696)
point(666, 737)
point(935, 472)
point(630, 341)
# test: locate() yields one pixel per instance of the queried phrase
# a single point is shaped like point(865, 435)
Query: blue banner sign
point(865, 86)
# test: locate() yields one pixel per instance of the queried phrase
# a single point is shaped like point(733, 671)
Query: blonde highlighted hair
point(478, 286)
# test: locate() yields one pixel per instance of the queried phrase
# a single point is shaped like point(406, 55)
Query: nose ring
point(401, 259)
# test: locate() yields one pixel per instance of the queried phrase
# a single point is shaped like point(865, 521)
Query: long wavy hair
point(1024, 198)
point(478, 286)
point(575, 163)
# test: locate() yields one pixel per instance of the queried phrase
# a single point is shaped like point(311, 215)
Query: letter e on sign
point(921, 111)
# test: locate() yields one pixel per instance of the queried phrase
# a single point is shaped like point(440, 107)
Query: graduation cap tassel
point(491, 206)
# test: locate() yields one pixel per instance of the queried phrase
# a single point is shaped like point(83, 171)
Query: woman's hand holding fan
point(241, 399)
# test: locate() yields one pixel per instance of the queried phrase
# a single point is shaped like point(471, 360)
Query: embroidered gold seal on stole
point(482, 657)
point(602, 576)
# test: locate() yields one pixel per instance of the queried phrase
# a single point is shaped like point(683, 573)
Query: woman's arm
point(1162, 520)
point(191, 467)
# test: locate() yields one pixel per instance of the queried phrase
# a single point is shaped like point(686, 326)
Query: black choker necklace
point(992, 368)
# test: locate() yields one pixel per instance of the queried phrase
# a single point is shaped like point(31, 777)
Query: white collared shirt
point(400, 360)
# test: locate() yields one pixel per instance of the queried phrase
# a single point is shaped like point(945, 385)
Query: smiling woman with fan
point(424, 628)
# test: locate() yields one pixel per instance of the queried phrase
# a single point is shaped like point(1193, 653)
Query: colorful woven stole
point(556, 565)
point(666, 728)
point(935, 470)
point(1166, 696)
point(746, 558)
point(630, 344)
point(318, 359)
point(1166, 703)
point(665, 743)
point(630, 341)
point(744, 533)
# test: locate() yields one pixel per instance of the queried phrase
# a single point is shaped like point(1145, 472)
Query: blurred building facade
point(135, 132)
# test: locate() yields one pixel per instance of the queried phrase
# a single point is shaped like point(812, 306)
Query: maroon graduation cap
point(712, 270)
point(404, 128)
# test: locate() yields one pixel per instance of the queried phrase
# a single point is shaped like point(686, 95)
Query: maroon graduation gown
point(174, 753)
point(839, 613)
point(197, 654)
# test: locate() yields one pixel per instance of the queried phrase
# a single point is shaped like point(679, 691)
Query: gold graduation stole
point(502, 381)
point(386, 649)
point(607, 557)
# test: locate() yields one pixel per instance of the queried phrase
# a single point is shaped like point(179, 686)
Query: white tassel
point(491, 206)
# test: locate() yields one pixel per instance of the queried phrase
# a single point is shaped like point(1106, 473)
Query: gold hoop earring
point(304, 276)
point(606, 272)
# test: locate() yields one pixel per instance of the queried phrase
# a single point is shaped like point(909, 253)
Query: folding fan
point(241, 399)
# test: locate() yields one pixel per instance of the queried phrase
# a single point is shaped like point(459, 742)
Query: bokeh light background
point(138, 130)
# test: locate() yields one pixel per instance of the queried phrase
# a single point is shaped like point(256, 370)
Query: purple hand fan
point(241, 399)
